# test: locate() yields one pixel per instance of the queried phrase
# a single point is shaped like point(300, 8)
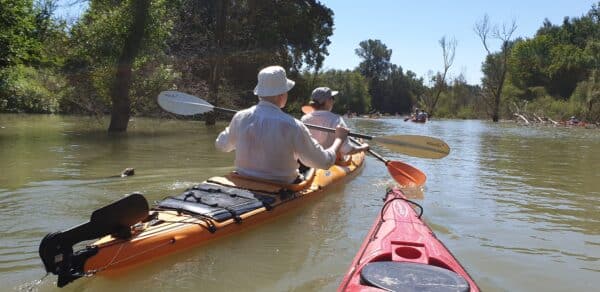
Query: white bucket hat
point(272, 81)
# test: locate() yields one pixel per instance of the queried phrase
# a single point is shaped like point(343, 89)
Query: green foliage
point(27, 89)
point(294, 34)
point(30, 44)
point(17, 40)
point(375, 59)
point(392, 90)
point(558, 57)
point(587, 94)
point(352, 86)
point(556, 109)
point(95, 45)
point(150, 79)
point(459, 101)
point(400, 90)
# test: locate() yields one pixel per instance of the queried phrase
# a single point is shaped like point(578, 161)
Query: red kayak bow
point(401, 253)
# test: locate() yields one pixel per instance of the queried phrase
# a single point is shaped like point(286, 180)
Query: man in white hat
point(321, 104)
point(268, 142)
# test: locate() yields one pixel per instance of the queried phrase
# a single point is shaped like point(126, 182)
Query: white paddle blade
point(183, 104)
point(415, 145)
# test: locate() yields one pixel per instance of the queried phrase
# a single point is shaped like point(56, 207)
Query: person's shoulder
point(296, 123)
point(244, 113)
point(306, 117)
point(332, 116)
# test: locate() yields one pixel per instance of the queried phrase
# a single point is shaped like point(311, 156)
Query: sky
point(412, 29)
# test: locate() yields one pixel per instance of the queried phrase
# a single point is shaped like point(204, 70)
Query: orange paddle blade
point(307, 109)
point(406, 175)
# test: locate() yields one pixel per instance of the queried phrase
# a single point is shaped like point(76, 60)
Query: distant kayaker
point(421, 116)
point(322, 100)
point(268, 142)
point(573, 121)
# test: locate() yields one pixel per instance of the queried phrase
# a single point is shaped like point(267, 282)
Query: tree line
point(119, 54)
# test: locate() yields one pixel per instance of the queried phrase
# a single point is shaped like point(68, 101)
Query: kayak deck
point(401, 253)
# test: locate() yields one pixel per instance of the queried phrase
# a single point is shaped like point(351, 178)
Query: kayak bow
point(401, 253)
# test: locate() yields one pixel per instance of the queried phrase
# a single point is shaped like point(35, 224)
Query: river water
point(518, 206)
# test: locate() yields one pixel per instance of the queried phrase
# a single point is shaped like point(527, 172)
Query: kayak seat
point(217, 202)
point(408, 276)
point(344, 161)
point(247, 182)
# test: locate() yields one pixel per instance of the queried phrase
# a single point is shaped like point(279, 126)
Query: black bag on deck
point(216, 201)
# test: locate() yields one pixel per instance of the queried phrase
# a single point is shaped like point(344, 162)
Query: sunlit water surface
point(518, 206)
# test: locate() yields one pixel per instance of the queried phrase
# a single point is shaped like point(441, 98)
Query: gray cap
point(322, 94)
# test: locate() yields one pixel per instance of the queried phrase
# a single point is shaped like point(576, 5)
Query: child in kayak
point(319, 113)
point(268, 142)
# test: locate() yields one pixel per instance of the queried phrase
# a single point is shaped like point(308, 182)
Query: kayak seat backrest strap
point(217, 202)
point(306, 179)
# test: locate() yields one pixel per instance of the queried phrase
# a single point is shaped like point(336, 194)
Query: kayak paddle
point(405, 174)
point(413, 145)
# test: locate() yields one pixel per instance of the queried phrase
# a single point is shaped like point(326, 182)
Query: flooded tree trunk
point(121, 107)
point(217, 62)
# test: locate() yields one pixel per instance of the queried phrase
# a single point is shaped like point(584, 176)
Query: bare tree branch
point(482, 29)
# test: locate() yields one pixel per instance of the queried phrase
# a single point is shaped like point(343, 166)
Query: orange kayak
point(131, 234)
point(401, 253)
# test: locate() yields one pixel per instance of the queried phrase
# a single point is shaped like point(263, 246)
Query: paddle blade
point(183, 104)
point(307, 109)
point(406, 175)
point(415, 145)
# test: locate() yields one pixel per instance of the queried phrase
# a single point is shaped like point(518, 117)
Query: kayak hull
point(171, 231)
point(399, 237)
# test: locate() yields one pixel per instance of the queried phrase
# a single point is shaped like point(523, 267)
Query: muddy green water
point(518, 206)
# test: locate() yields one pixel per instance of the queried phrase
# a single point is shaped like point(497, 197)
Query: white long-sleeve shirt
point(268, 143)
point(329, 120)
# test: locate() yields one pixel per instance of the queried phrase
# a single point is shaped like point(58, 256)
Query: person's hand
point(341, 133)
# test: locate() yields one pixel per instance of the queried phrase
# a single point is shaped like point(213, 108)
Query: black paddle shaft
point(375, 154)
point(324, 129)
point(331, 130)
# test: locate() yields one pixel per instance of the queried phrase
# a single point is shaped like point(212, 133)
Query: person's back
point(323, 118)
point(265, 144)
point(322, 103)
point(267, 141)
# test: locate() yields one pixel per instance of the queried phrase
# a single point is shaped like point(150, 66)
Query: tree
point(31, 50)
point(115, 59)
point(431, 99)
point(17, 32)
point(353, 87)
point(121, 106)
point(376, 59)
point(293, 33)
point(557, 58)
point(496, 64)
point(375, 66)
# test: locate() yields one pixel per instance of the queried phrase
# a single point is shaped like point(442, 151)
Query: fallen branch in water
point(522, 117)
